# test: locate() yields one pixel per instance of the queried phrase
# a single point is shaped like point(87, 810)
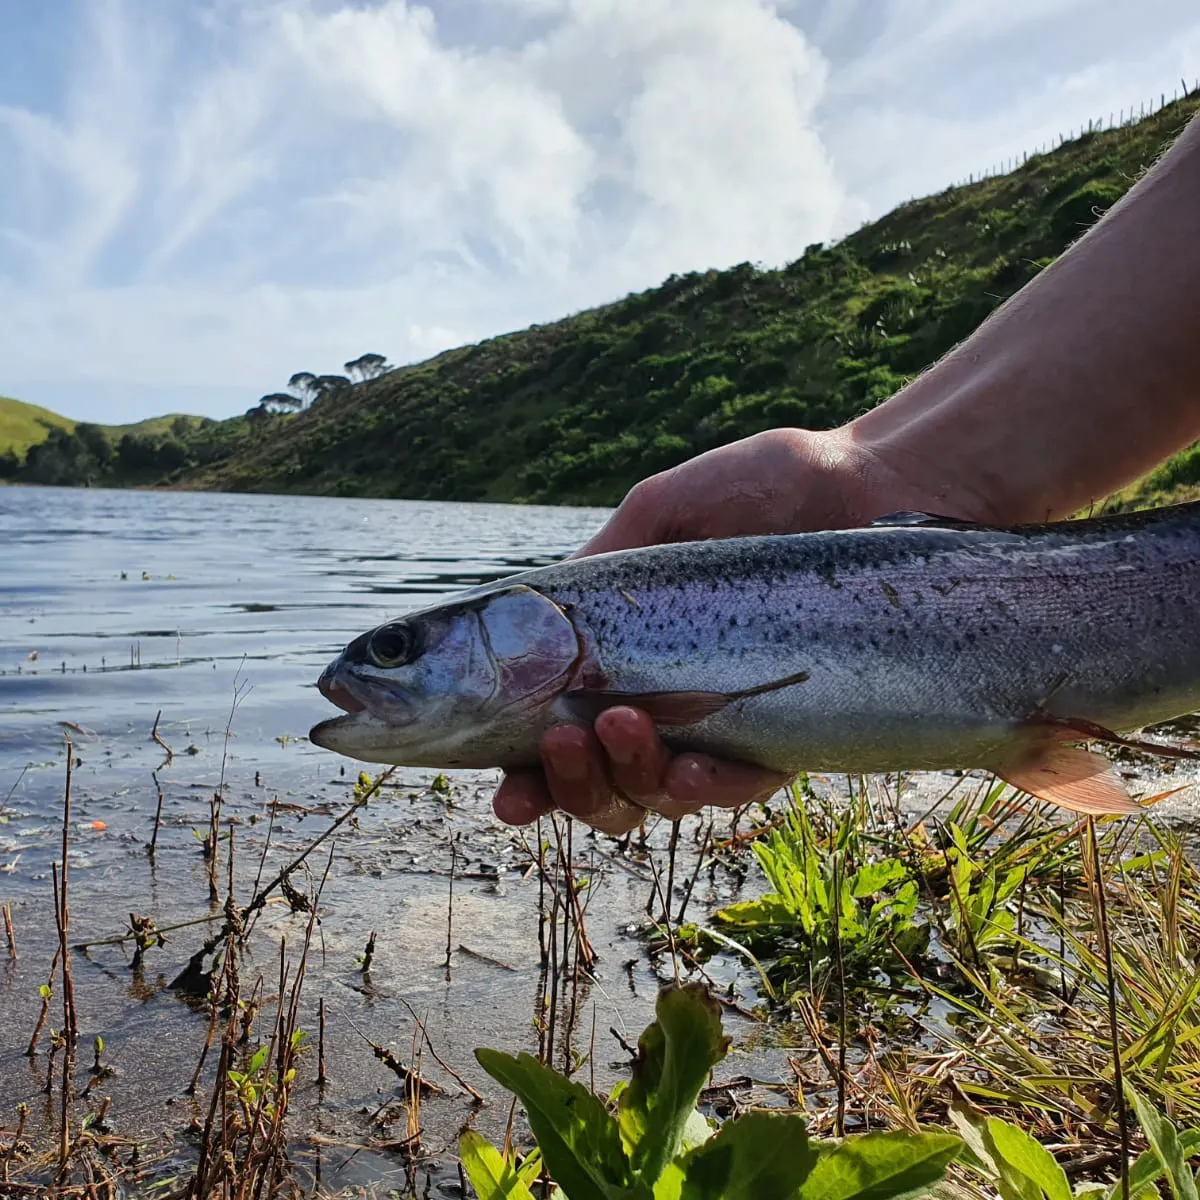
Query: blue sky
point(199, 198)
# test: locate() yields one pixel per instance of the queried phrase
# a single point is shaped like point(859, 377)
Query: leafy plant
point(649, 1142)
point(827, 902)
point(979, 919)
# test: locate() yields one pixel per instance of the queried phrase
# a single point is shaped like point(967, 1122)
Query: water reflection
point(114, 604)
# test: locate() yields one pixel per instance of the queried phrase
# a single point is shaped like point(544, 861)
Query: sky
point(199, 198)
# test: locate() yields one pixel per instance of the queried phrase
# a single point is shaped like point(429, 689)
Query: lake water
point(116, 604)
point(219, 612)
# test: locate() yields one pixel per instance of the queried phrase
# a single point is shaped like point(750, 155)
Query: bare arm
point(1082, 382)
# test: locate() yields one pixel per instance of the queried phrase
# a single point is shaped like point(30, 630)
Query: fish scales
point(907, 634)
point(920, 644)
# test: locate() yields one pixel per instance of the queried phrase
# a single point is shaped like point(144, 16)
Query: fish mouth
point(327, 734)
point(335, 693)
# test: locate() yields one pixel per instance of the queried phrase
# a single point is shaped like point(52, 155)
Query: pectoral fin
point(1073, 778)
point(671, 708)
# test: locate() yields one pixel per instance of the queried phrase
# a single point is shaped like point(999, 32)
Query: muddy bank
point(394, 865)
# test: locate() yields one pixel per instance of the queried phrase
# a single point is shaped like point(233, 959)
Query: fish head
point(469, 683)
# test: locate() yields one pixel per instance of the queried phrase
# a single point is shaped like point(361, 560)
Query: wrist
point(876, 469)
point(945, 445)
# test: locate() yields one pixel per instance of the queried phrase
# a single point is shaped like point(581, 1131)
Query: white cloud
point(220, 194)
point(953, 89)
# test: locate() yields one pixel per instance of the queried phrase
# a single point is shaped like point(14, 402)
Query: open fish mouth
point(335, 693)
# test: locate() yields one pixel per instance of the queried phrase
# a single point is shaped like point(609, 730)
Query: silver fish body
point(910, 644)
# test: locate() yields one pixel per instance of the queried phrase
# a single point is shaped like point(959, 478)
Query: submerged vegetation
point(578, 410)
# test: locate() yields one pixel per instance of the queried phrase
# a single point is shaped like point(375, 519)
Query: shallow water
point(136, 601)
point(209, 613)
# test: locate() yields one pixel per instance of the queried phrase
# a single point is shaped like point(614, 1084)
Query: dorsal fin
point(907, 517)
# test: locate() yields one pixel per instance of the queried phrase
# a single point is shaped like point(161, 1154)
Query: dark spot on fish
point(890, 592)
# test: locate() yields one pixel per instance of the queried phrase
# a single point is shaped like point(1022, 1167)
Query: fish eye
point(391, 645)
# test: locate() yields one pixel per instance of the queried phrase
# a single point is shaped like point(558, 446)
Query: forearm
point(1082, 382)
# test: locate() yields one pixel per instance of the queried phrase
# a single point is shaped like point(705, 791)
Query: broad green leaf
point(758, 1156)
point(696, 1131)
point(669, 1185)
point(1164, 1141)
point(765, 913)
point(876, 876)
point(1030, 1159)
point(881, 1166)
point(972, 1125)
point(675, 1055)
point(578, 1137)
point(1012, 880)
point(490, 1173)
point(258, 1060)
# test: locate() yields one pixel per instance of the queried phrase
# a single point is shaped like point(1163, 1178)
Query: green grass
point(153, 427)
point(23, 425)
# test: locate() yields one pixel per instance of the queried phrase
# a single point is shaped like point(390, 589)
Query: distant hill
point(42, 446)
point(579, 410)
point(24, 425)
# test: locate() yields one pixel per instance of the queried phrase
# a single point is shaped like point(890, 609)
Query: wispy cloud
point(212, 196)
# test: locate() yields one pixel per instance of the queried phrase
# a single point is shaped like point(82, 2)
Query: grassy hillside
point(40, 446)
point(24, 425)
point(156, 427)
point(579, 410)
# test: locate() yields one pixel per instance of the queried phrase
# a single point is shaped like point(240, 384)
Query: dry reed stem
point(154, 736)
point(322, 1079)
point(1101, 908)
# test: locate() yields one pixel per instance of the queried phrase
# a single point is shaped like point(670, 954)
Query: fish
point(915, 643)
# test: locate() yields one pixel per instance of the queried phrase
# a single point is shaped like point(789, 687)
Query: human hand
point(781, 481)
point(1077, 386)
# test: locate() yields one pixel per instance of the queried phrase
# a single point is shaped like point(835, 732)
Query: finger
point(637, 757)
point(522, 797)
point(578, 781)
point(695, 780)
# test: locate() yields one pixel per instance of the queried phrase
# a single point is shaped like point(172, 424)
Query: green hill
point(23, 425)
point(40, 446)
point(172, 425)
point(579, 410)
